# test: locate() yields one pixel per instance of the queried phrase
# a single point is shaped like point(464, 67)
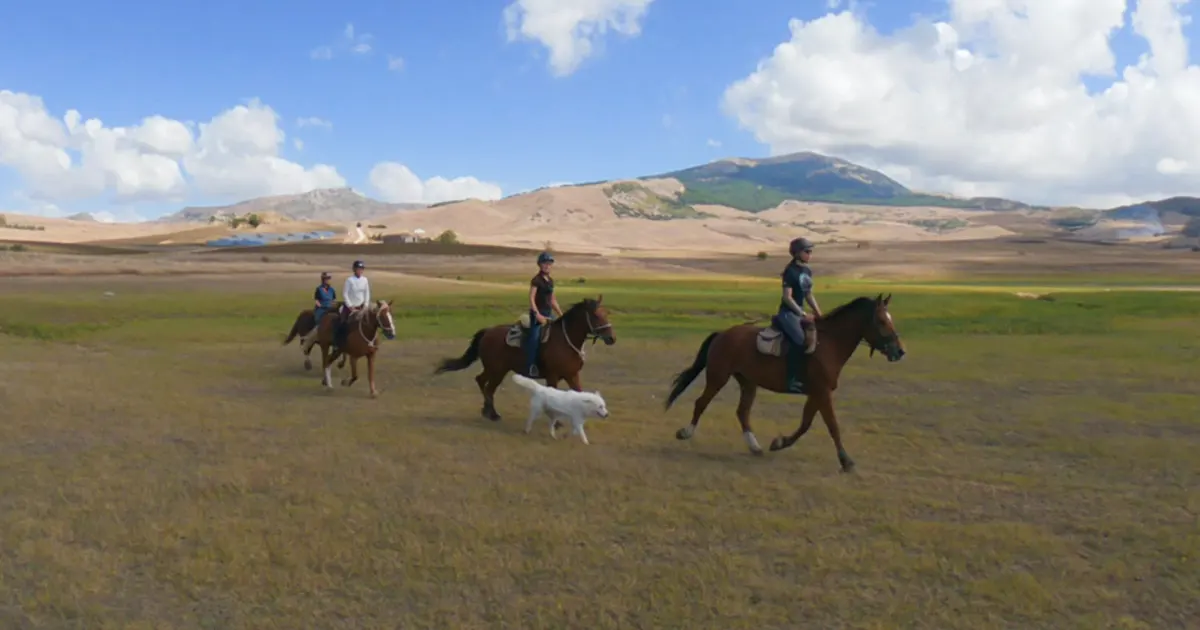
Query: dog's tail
point(467, 358)
point(685, 378)
point(525, 382)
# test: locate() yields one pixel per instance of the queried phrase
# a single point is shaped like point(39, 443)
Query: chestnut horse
point(561, 358)
point(305, 323)
point(733, 353)
point(362, 340)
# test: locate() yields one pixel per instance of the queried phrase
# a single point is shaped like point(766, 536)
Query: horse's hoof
point(757, 452)
point(683, 434)
point(374, 394)
point(847, 466)
point(778, 443)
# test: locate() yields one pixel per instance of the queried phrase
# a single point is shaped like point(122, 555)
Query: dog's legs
point(577, 427)
point(534, 411)
point(553, 423)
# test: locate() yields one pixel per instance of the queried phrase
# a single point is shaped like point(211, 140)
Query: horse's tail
point(295, 328)
point(468, 357)
point(685, 378)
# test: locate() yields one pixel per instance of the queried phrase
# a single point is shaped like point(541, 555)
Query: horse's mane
point(853, 306)
point(587, 305)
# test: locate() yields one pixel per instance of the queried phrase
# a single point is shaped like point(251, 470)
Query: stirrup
point(532, 371)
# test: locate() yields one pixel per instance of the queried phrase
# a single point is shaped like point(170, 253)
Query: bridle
point(593, 334)
point(889, 340)
point(371, 343)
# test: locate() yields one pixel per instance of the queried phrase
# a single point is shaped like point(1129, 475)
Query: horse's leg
point(713, 382)
point(326, 367)
point(353, 372)
point(371, 374)
point(492, 381)
point(745, 402)
point(830, 418)
point(810, 411)
point(342, 363)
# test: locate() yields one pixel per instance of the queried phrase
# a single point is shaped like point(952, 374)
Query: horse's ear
point(887, 299)
point(600, 299)
point(879, 298)
point(389, 302)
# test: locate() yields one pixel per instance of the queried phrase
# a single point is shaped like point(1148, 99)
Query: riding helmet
point(798, 245)
point(545, 257)
point(325, 275)
point(358, 264)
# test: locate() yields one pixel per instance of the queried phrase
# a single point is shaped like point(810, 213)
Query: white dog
point(555, 403)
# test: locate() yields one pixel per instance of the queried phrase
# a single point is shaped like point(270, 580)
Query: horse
point(562, 353)
point(740, 353)
point(362, 340)
point(305, 323)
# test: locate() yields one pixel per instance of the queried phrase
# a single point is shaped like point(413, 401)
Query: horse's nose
point(899, 353)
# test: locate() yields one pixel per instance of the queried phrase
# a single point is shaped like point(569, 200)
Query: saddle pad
point(769, 341)
point(517, 331)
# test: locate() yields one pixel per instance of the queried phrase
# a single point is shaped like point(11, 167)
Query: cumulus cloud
point(395, 64)
point(990, 101)
point(394, 182)
point(572, 30)
point(234, 154)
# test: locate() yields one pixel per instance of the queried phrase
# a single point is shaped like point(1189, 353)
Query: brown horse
point(362, 340)
point(562, 355)
point(734, 353)
point(305, 323)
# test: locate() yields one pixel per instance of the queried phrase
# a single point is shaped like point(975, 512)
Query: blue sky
point(466, 102)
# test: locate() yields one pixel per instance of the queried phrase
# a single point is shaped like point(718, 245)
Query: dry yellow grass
point(165, 464)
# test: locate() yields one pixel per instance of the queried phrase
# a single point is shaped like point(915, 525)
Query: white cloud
point(350, 41)
point(298, 143)
point(572, 30)
point(313, 121)
point(716, 144)
point(396, 183)
point(991, 101)
point(395, 64)
point(235, 154)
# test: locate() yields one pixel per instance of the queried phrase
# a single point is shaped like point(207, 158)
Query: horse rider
point(323, 297)
point(542, 304)
point(794, 323)
point(356, 295)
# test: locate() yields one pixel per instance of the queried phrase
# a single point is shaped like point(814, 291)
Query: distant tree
point(3, 220)
point(447, 238)
point(253, 220)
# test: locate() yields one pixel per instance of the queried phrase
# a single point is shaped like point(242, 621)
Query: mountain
point(82, 216)
point(330, 205)
point(756, 185)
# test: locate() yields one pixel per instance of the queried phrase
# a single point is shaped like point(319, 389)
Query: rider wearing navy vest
point(542, 304)
point(323, 297)
point(794, 323)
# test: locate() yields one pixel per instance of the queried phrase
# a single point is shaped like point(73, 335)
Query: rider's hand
point(541, 319)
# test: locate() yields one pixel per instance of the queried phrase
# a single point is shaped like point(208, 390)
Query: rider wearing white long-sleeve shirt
point(356, 295)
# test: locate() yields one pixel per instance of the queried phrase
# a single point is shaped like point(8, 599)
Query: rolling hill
point(757, 185)
point(331, 205)
point(731, 205)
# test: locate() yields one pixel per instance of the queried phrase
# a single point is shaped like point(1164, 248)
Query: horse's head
point(881, 334)
point(383, 318)
point(597, 320)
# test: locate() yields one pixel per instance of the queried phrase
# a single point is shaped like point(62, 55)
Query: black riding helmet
point(545, 257)
point(799, 245)
point(358, 264)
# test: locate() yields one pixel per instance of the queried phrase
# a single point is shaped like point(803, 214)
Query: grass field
point(164, 463)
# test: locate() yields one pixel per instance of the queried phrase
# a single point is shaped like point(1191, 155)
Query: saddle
point(517, 332)
point(771, 340)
